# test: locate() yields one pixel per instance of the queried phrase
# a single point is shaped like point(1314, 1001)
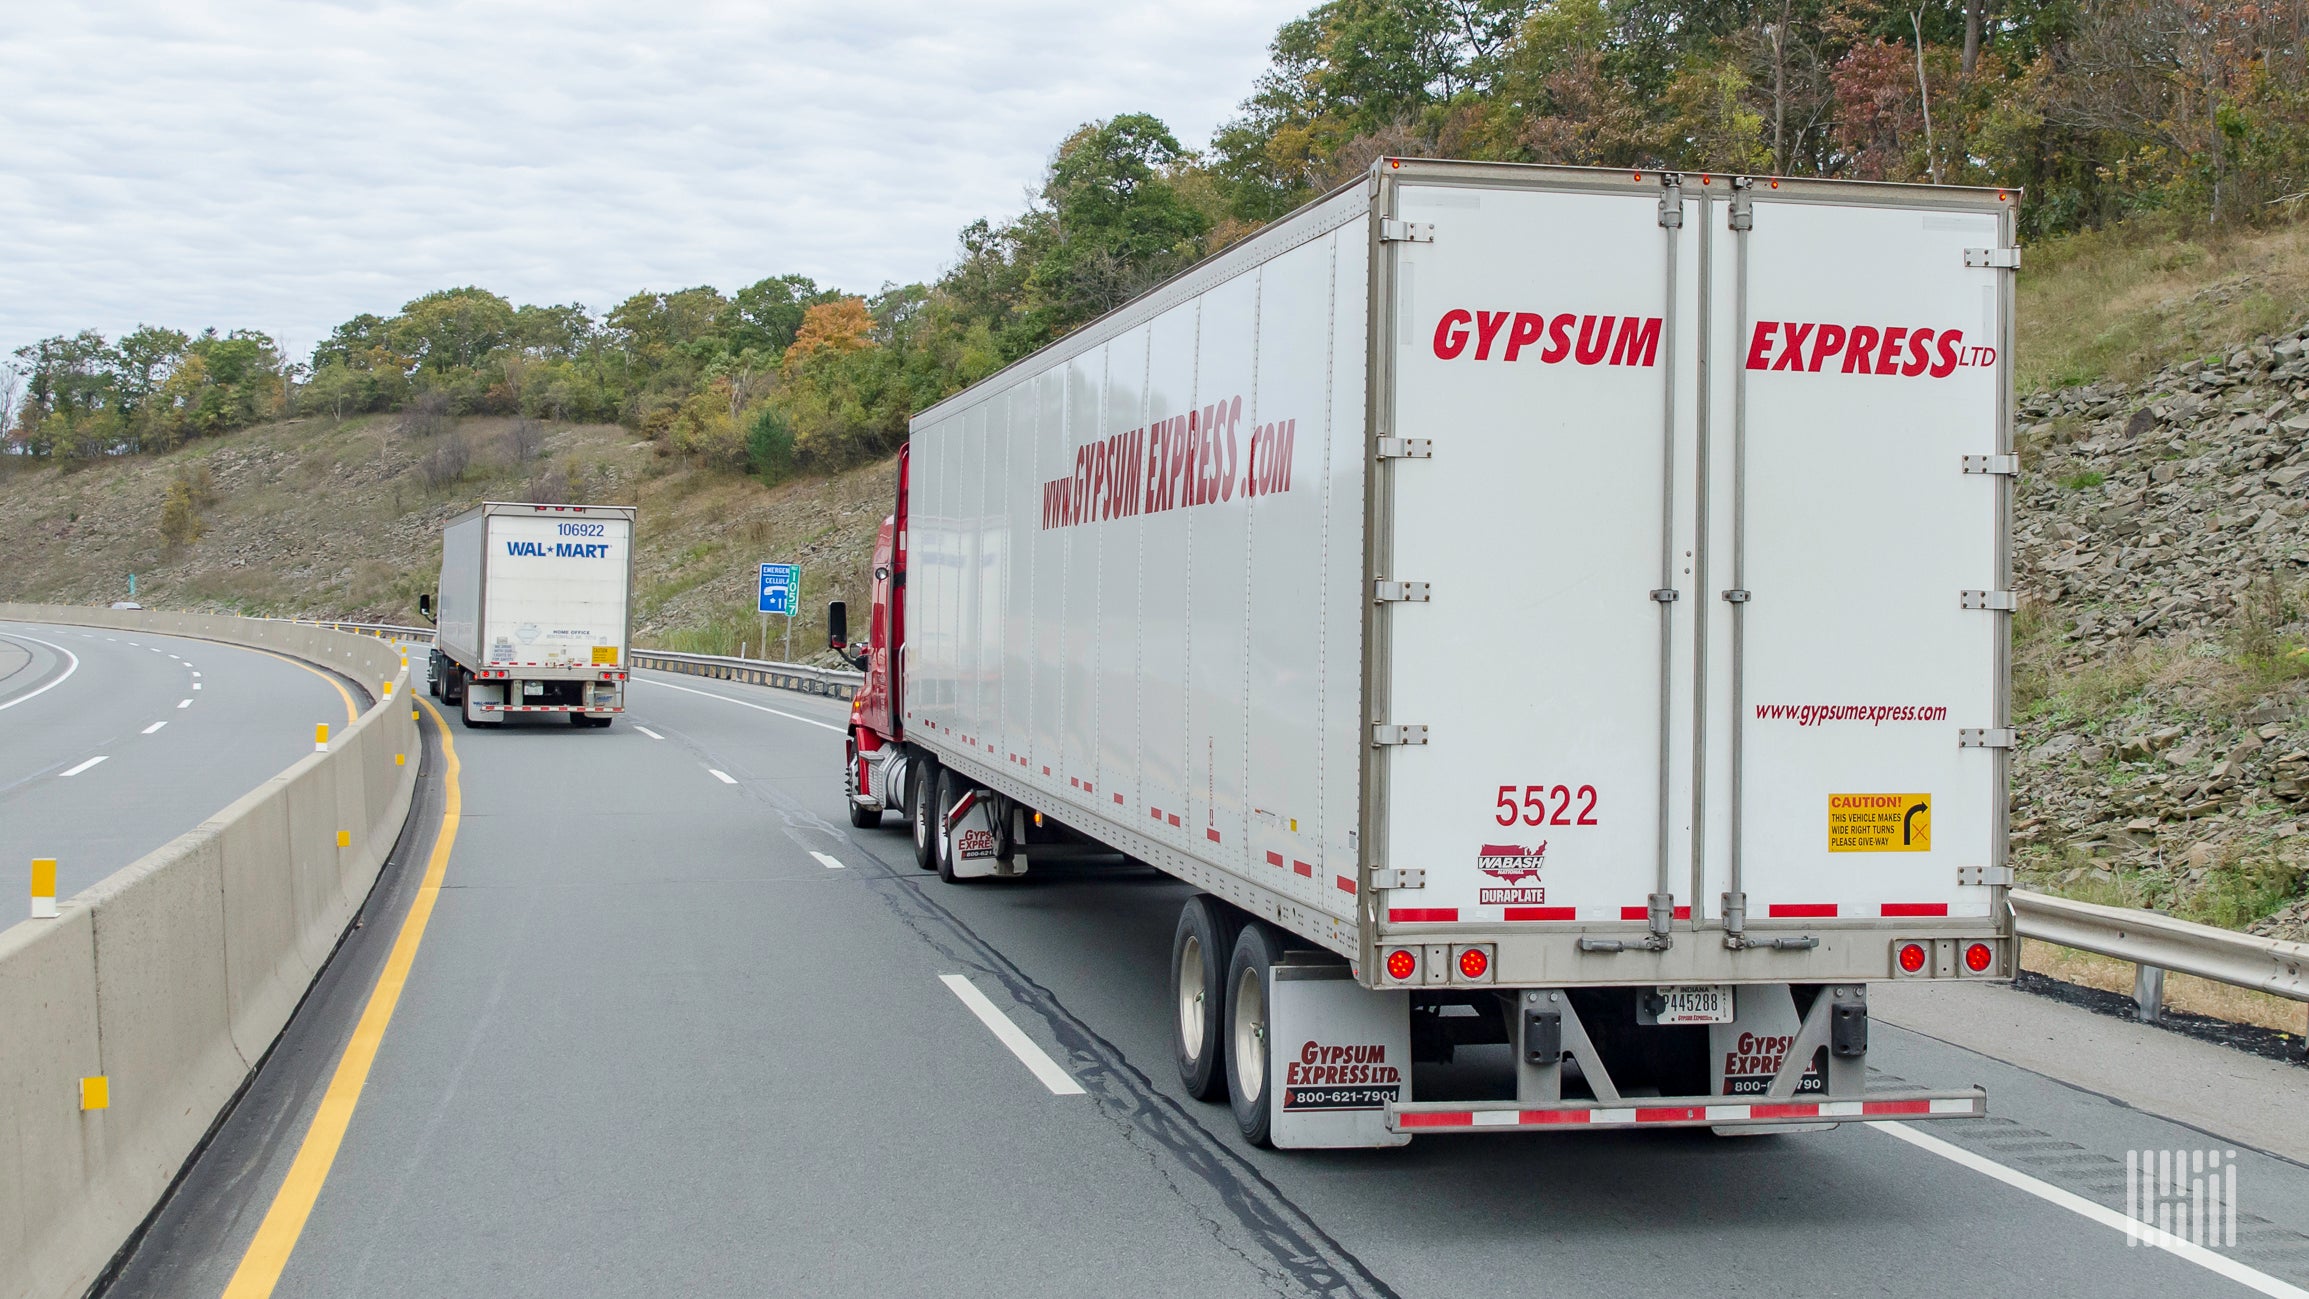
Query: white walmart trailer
point(1539, 607)
point(535, 612)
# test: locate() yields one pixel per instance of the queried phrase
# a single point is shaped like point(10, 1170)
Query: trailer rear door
point(1533, 345)
point(557, 589)
point(1867, 361)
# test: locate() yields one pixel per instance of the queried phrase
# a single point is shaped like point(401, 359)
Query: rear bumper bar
point(1680, 1112)
point(543, 708)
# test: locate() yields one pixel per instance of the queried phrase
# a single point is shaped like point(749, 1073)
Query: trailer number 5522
point(1547, 805)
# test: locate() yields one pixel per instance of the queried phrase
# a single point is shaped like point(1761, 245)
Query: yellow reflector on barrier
point(321, 736)
point(344, 838)
point(44, 877)
point(400, 759)
point(96, 1093)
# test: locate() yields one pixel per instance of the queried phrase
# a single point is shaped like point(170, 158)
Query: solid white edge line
point(155, 726)
point(1046, 1070)
point(722, 776)
point(69, 669)
point(827, 862)
point(82, 767)
point(2250, 1278)
point(668, 685)
point(648, 732)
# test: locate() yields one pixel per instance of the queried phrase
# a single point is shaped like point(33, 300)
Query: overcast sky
point(283, 166)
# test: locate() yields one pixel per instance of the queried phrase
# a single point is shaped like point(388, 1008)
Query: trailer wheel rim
point(1250, 1053)
point(1191, 997)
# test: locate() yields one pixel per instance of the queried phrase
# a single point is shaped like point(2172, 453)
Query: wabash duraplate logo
point(1510, 863)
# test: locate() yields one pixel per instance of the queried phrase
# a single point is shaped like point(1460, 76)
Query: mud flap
point(1339, 1055)
point(981, 851)
point(1746, 1053)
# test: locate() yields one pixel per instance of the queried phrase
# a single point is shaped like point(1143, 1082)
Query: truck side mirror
point(425, 606)
point(838, 625)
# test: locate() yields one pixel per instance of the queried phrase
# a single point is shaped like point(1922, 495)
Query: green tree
point(180, 521)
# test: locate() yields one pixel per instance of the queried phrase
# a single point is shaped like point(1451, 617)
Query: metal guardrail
point(2157, 943)
point(833, 682)
point(385, 629)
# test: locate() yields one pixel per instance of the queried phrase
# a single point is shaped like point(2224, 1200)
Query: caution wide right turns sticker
point(1880, 823)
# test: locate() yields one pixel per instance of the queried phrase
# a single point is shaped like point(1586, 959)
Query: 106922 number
point(1546, 805)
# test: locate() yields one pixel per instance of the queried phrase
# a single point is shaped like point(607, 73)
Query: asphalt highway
point(674, 1028)
point(113, 743)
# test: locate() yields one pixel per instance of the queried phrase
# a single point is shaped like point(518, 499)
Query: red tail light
point(1912, 957)
point(1472, 963)
point(1402, 964)
point(1977, 958)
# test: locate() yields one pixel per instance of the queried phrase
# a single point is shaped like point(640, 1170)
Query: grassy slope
point(314, 517)
point(2118, 304)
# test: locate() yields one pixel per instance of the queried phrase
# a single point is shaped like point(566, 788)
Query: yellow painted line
point(276, 1238)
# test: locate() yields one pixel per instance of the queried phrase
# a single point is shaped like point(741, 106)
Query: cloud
point(283, 166)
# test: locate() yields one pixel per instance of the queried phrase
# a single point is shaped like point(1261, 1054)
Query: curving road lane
point(112, 743)
point(676, 1028)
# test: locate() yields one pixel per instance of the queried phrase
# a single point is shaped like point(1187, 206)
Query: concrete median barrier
point(173, 976)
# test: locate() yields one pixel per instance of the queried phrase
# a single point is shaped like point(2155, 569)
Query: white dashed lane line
point(154, 727)
point(827, 862)
point(186, 703)
point(722, 776)
point(648, 732)
point(82, 767)
point(793, 717)
point(1045, 1069)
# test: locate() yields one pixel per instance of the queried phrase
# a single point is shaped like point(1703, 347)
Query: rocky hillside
point(312, 517)
point(2162, 533)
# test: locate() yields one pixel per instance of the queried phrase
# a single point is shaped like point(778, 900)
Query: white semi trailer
point(534, 612)
point(1545, 609)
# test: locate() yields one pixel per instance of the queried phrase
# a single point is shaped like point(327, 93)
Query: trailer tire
point(950, 788)
point(921, 791)
point(1200, 951)
point(1250, 1053)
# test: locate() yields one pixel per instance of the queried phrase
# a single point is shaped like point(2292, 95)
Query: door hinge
point(1985, 737)
point(1999, 259)
point(1398, 877)
point(1398, 733)
point(1998, 876)
point(2005, 464)
point(2000, 601)
point(1399, 592)
point(1392, 231)
point(1671, 200)
point(1406, 449)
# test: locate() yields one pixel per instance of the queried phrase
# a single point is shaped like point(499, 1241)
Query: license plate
point(1696, 1003)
